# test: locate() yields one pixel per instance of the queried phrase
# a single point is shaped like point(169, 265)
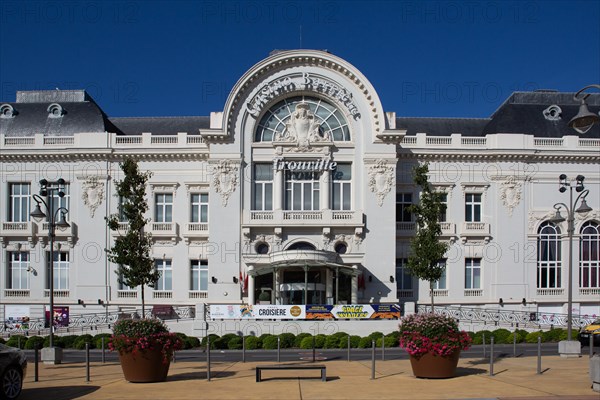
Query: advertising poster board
point(302, 312)
point(60, 316)
point(16, 316)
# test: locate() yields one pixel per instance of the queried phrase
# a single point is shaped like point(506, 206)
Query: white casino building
point(300, 184)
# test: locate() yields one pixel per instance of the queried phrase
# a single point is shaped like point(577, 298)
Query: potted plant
point(433, 342)
point(145, 348)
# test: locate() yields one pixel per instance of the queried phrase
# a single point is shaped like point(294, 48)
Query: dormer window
point(55, 110)
point(7, 111)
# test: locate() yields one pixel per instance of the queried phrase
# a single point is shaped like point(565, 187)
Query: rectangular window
point(19, 202)
point(441, 283)
point(403, 278)
point(341, 193)
point(61, 270)
point(58, 202)
point(301, 191)
point(263, 187)
point(444, 201)
point(199, 275)
point(18, 270)
point(473, 207)
point(403, 201)
point(165, 281)
point(163, 209)
point(199, 207)
point(473, 273)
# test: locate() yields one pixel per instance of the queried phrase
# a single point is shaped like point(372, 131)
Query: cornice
point(457, 155)
point(82, 154)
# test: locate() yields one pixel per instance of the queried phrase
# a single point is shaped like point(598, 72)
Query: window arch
point(549, 256)
point(302, 246)
point(332, 123)
point(589, 255)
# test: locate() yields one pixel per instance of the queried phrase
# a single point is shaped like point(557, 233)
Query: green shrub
point(532, 337)
point(213, 338)
point(287, 340)
point(69, 341)
point(222, 343)
point(33, 342)
point(501, 335)
point(252, 343)
point(520, 337)
point(2, 340)
point(191, 342)
point(564, 334)
point(365, 343)
point(320, 341)
point(307, 342)
point(391, 341)
point(553, 335)
point(17, 341)
point(80, 342)
point(269, 342)
point(97, 340)
point(57, 341)
point(478, 337)
point(332, 342)
point(376, 335)
point(299, 338)
point(235, 343)
point(354, 341)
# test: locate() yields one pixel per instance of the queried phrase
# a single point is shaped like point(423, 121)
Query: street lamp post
point(571, 347)
point(584, 120)
point(47, 190)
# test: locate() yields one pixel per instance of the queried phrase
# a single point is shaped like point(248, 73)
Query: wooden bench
point(280, 367)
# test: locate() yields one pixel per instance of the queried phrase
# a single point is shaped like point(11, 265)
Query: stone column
point(328, 286)
point(325, 184)
point(251, 299)
point(278, 186)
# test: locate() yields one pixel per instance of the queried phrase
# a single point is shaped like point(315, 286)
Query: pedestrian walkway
point(514, 378)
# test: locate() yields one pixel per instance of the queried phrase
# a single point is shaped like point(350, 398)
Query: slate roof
point(160, 125)
point(522, 112)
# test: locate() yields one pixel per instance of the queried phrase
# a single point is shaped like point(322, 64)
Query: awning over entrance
point(302, 258)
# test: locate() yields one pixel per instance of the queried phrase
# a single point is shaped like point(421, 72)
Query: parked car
point(592, 329)
point(13, 367)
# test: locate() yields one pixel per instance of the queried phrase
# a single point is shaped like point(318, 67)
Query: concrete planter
point(436, 367)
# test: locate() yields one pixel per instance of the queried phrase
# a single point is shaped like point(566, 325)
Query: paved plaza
point(514, 378)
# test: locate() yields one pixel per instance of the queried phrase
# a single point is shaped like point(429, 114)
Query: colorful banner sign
point(16, 317)
point(301, 312)
point(60, 316)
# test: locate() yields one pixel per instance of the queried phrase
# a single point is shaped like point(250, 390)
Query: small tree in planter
point(131, 251)
point(426, 248)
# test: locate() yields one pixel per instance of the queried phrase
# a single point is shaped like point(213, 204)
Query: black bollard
point(492, 356)
point(243, 349)
point(313, 360)
point(348, 348)
point(279, 349)
point(383, 348)
point(103, 352)
point(515, 344)
point(36, 360)
point(87, 362)
point(539, 355)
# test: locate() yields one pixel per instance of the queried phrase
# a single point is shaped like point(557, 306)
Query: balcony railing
point(439, 293)
point(196, 294)
point(127, 294)
point(550, 292)
point(475, 229)
point(164, 230)
point(57, 293)
point(162, 294)
point(287, 217)
point(473, 292)
point(406, 294)
point(16, 293)
point(589, 291)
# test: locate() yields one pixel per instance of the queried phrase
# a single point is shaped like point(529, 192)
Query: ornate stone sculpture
point(302, 128)
point(510, 194)
point(381, 180)
point(93, 193)
point(225, 179)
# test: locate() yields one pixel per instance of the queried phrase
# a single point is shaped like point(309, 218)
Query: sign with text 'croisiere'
point(305, 312)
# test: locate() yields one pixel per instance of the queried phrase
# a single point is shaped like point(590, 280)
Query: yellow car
point(592, 329)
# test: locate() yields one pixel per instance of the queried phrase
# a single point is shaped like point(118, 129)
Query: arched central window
point(548, 257)
point(589, 257)
point(331, 121)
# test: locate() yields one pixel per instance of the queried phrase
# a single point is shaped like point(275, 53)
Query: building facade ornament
point(381, 180)
point(225, 180)
point(535, 217)
point(92, 193)
point(510, 194)
point(302, 129)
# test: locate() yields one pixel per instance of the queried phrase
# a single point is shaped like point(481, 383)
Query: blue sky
point(430, 58)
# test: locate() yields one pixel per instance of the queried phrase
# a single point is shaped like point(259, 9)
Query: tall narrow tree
point(426, 248)
point(131, 250)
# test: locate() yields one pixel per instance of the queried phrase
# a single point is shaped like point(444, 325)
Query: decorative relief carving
point(303, 129)
point(225, 180)
point(381, 180)
point(536, 216)
point(510, 194)
point(93, 193)
point(592, 215)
